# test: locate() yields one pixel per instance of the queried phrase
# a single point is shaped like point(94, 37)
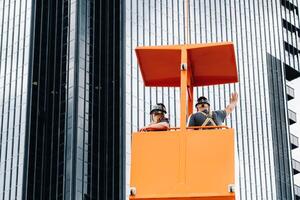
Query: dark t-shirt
point(164, 120)
point(197, 119)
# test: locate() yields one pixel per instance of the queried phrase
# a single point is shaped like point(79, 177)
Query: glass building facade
point(15, 29)
point(61, 100)
point(266, 38)
point(65, 110)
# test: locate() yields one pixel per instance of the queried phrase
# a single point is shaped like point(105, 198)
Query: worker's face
point(202, 107)
point(157, 117)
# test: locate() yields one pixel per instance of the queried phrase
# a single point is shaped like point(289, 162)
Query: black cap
point(202, 100)
point(159, 107)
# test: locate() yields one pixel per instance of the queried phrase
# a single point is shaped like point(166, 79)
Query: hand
point(143, 129)
point(234, 97)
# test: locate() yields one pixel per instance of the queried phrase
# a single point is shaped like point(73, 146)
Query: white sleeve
point(188, 121)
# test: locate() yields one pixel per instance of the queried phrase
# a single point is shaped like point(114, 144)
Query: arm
point(162, 126)
point(190, 121)
point(232, 104)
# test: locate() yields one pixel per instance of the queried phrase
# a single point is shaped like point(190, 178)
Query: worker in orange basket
point(158, 120)
point(205, 117)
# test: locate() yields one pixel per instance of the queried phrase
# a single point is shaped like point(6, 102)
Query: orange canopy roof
point(211, 64)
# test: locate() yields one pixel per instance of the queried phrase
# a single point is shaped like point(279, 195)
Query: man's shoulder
point(198, 114)
point(219, 113)
point(194, 114)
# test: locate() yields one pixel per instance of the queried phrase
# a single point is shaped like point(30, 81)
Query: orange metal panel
point(184, 75)
point(192, 164)
point(212, 63)
point(160, 67)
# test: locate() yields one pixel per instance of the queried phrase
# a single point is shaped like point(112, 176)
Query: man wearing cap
point(205, 117)
point(158, 120)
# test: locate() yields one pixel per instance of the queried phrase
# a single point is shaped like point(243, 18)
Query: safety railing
point(189, 128)
point(290, 92)
point(294, 141)
point(296, 167)
point(297, 191)
point(292, 117)
point(199, 127)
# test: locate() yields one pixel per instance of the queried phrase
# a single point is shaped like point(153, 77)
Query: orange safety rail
point(199, 127)
point(194, 164)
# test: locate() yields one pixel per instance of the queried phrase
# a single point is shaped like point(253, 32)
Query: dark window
point(290, 72)
point(291, 49)
point(289, 6)
point(290, 27)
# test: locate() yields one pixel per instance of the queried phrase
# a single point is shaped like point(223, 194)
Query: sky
point(294, 105)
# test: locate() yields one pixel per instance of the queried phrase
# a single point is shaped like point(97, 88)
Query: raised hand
point(233, 101)
point(234, 97)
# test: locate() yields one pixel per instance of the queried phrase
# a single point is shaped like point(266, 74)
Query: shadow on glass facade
point(280, 132)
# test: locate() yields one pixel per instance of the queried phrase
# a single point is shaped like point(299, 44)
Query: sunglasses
point(203, 104)
point(157, 113)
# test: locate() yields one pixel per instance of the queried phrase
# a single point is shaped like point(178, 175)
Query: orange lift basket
point(185, 163)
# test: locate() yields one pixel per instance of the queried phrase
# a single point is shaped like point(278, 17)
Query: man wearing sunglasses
point(205, 117)
point(158, 120)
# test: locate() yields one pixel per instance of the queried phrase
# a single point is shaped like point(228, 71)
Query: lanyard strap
point(208, 119)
